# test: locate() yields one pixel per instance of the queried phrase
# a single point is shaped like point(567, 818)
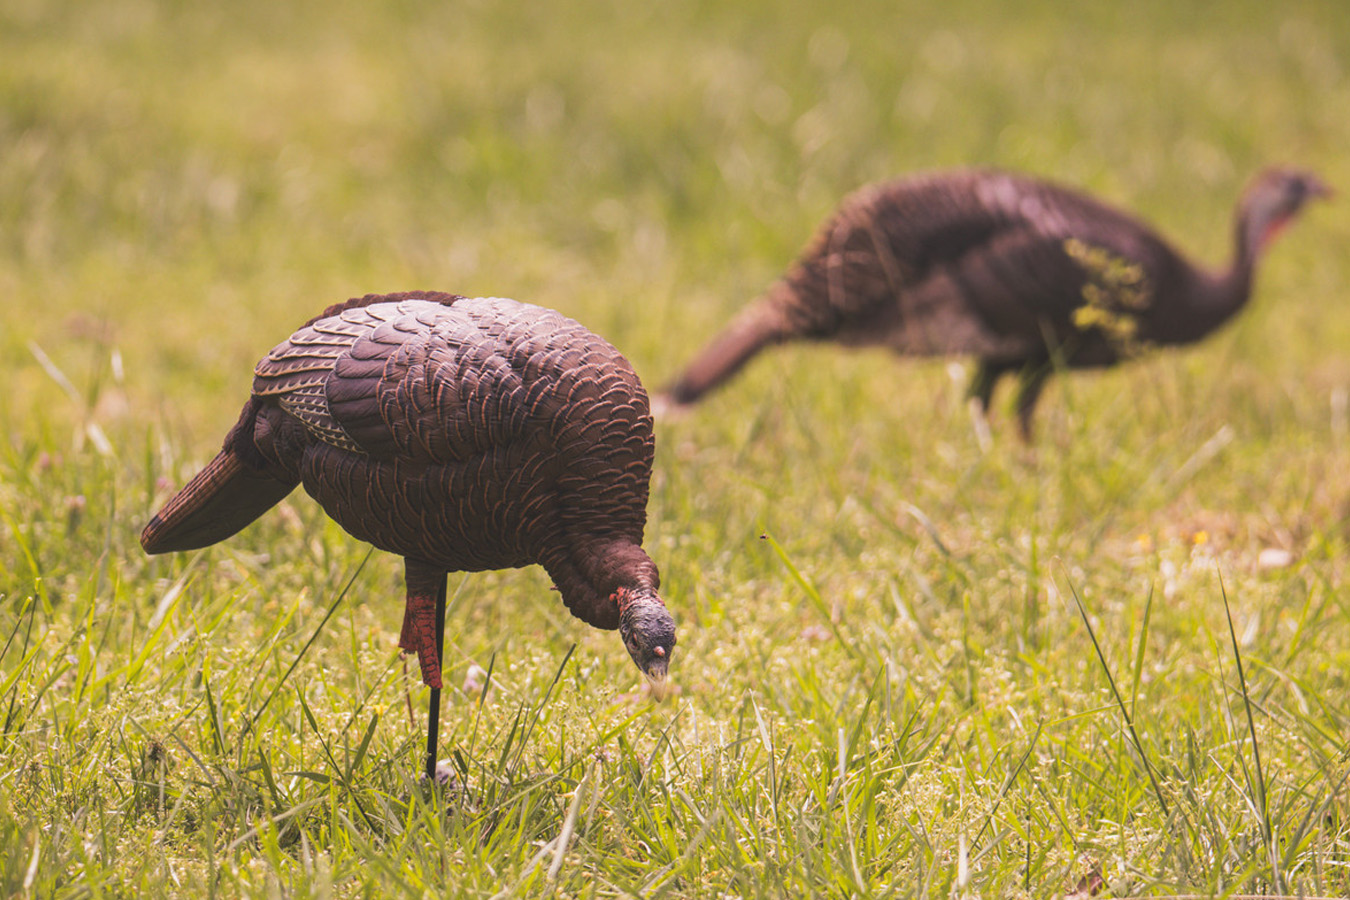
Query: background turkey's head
point(1274, 199)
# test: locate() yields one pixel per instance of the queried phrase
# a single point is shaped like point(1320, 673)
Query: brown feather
point(462, 434)
point(217, 503)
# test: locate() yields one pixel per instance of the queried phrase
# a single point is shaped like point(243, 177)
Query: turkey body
point(1018, 272)
point(462, 434)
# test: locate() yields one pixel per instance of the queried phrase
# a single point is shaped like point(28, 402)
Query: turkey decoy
point(1020, 273)
point(462, 434)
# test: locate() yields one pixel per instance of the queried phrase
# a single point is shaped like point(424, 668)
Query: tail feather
point(761, 324)
point(217, 503)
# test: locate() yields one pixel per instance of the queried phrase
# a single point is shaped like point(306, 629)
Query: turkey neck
point(1218, 295)
point(591, 573)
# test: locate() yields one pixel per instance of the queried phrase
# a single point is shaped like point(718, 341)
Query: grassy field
point(907, 666)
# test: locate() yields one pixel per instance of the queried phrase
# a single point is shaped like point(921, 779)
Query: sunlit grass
point(907, 666)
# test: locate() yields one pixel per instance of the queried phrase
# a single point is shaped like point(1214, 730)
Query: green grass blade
point(1120, 702)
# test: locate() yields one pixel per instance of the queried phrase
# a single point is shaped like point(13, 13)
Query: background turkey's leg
point(1030, 383)
point(987, 374)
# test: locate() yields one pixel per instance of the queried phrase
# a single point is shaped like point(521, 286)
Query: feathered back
point(991, 242)
point(467, 433)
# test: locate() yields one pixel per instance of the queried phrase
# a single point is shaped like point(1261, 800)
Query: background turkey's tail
point(763, 323)
point(218, 502)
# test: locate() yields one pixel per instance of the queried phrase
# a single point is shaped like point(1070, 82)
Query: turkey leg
point(1030, 383)
point(423, 633)
point(424, 619)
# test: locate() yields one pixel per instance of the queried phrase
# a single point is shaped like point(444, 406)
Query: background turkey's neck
point(1217, 295)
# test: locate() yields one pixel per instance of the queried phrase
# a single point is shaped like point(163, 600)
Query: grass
point(908, 667)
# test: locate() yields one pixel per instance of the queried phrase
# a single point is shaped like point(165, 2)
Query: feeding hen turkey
point(462, 434)
point(1021, 273)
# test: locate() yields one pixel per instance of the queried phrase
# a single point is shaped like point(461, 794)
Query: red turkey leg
point(407, 637)
point(419, 634)
point(423, 631)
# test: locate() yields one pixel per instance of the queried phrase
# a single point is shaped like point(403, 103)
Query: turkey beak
point(657, 685)
point(656, 674)
point(1319, 188)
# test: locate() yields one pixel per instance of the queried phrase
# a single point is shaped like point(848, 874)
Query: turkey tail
point(761, 324)
point(218, 502)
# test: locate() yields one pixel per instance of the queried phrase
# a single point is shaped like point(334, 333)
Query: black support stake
point(434, 711)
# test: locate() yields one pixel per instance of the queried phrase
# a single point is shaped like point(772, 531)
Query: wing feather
point(298, 374)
